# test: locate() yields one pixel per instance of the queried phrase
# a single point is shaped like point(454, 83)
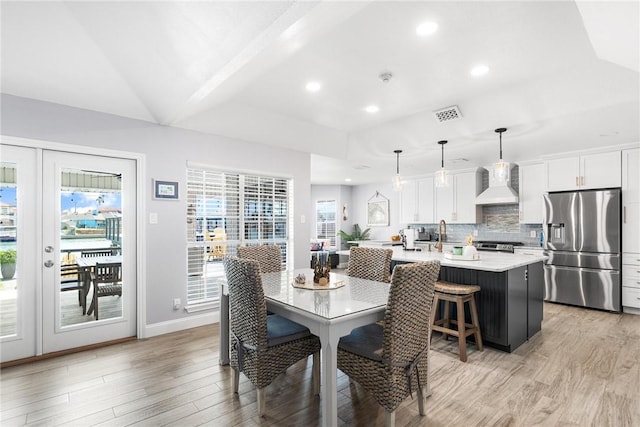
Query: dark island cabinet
point(509, 302)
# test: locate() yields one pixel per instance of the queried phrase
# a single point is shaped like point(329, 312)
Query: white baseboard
point(162, 328)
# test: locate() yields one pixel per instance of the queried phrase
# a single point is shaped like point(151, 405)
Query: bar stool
point(459, 294)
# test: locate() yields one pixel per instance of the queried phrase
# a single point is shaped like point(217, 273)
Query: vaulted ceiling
point(562, 76)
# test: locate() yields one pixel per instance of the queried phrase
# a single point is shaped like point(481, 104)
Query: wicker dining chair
point(391, 361)
point(370, 263)
point(263, 347)
point(268, 256)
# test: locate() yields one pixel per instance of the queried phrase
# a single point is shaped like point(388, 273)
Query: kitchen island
point(511, 296)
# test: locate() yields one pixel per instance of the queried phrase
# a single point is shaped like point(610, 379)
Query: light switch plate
point(153, 218)
point(532, 233)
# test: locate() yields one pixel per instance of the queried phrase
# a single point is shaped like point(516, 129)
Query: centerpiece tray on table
point(309, 284)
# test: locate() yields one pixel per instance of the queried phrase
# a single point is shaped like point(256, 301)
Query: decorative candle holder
point(321, 270)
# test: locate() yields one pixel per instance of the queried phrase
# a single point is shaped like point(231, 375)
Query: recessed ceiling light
point(372, 109)
point(479, 70)
point(313, 86)
point(347, 179)
point(426, 28)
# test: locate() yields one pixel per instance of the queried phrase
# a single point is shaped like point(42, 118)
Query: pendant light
point(397, 180)
point(501, 168)
point(442, 176)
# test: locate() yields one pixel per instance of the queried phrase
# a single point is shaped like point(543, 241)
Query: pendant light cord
point(500, 130)
point(397, 161)
point(442, 156)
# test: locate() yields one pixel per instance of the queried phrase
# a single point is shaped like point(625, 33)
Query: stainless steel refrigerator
point(583, 241)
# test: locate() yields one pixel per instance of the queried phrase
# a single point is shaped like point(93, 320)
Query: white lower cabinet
point(631, 282)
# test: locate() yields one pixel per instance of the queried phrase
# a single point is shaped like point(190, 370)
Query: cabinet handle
point(624, 214)
point(582, 180)
point(577, 182)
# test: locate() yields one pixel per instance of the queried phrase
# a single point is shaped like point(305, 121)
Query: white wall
point(342, 195)
point(167, 151)
point(356, 198)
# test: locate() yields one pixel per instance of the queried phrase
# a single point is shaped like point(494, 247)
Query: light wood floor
point(583, 369)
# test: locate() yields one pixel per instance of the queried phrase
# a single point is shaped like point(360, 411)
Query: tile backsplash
point(499, 222)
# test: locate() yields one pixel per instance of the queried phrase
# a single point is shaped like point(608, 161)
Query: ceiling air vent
point(448, 114)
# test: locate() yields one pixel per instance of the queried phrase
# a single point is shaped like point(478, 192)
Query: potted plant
point(357, 234)
point(8, 263)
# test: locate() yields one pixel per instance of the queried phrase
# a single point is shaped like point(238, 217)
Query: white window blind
point(326, 220)
point(226, 210)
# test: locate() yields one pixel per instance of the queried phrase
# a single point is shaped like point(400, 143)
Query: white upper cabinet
point(417, 201)
point(631, 176)
point(631, 200)
point(426, 197)
point(532, 189)
point(457, 202)
point(599, 170)
point(408, 202)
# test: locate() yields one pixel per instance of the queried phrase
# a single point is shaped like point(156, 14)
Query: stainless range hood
point(499, 192)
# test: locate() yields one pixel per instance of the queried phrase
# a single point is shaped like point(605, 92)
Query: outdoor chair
point(71, 280)
point(370, 263)
point(263, 347)
point(268, 256)
point(96, 253)
point(216, 250)
point(391, 361)
point(107, 281)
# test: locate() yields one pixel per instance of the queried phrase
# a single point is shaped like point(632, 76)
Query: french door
point(68, 206)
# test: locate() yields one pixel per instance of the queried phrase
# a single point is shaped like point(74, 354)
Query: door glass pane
point(8, 244)
point(90, 235)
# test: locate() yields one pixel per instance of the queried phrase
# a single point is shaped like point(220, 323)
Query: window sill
point(203, 306)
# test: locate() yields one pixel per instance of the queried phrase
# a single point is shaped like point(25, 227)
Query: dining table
point(330, 312)
point(86, 266)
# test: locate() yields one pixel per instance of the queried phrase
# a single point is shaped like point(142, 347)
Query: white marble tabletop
point(357, 295)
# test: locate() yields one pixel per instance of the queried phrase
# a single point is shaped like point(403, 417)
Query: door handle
point(48, 249)
point(48, 263)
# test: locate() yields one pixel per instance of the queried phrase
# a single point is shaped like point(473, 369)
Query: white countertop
point(489, 261)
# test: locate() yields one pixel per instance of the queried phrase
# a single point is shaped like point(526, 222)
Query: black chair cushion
point(281, 330)
point(365, 341)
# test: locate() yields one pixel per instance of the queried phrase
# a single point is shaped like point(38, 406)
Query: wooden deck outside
point(71, 312)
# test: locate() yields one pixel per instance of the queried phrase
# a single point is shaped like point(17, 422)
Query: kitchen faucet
point(442, 225)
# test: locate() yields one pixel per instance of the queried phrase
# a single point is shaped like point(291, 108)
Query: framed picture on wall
point(378, 213)
point(165, 190)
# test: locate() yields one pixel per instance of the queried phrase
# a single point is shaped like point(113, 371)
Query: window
point(226, 210)
point(326, 220)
